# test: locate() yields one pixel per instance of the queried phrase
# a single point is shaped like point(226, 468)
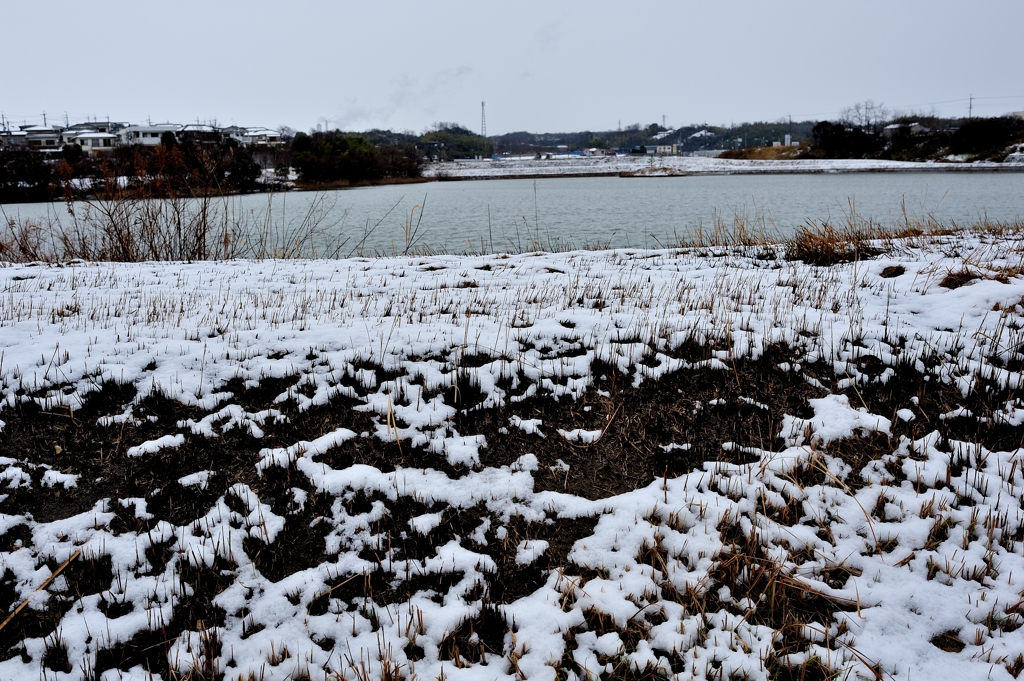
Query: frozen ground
point(717, 463)
point(678, 165)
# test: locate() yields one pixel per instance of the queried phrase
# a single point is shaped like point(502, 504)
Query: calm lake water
point(503, 215)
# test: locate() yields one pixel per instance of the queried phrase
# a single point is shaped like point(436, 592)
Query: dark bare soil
point(705, 409)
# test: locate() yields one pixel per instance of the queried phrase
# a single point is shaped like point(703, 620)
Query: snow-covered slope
point(389, 468)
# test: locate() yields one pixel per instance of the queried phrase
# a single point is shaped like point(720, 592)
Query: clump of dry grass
point(119, 226)
point(955, 280)
point(824, 245)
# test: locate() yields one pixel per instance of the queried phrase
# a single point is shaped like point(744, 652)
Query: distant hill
point(687, 138)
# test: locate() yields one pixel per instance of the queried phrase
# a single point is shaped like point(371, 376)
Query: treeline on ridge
point(919, 139)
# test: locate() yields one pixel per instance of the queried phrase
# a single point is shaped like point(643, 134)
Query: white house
point(95, 143)
point(254, 137)
point(68, 135)
point(914, 128)
point(146, 135)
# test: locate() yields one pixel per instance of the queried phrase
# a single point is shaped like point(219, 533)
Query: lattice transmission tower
point(483, 120)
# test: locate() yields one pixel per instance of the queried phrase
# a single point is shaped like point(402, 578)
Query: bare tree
point(287, 134)
point(867, 115)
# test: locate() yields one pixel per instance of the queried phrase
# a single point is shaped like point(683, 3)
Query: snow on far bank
point(664, 166)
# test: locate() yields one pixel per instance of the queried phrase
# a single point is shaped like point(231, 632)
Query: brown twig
point(42, 586)
point(69, 415)
point(599, 438)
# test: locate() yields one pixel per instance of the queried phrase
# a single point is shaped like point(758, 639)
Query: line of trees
point(449, 141)
point(167, 169)
point(337, 156)
point(204, 167)
point(917, 138)
point(380, 155)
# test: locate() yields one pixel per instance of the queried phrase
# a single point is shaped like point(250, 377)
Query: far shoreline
point(634, 167)
point(624, 167)
point(562, 171)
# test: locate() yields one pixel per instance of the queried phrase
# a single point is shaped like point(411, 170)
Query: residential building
point(95, 143)
point(146, 135)
point(199, 133)
point(258, 137)
point(13, 140)
point(97, 126)
point(42, 137)
point(891, 131)
point(68, 135)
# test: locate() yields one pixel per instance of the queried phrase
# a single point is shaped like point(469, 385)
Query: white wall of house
point(68, 136)
point(95, 143)
point(145, 135)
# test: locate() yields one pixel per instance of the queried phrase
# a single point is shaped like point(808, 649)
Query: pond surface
point(518, 215)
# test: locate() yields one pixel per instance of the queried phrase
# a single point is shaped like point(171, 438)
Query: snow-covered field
point(712, 463)
point(681, 165)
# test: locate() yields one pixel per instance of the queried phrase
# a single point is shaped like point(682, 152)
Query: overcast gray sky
point(541, 66)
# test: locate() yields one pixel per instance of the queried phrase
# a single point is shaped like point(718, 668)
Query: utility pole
point(970, 108)
point(44, 119)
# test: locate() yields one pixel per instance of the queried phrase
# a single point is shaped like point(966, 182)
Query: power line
point(960, 100)
point(947, 101)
